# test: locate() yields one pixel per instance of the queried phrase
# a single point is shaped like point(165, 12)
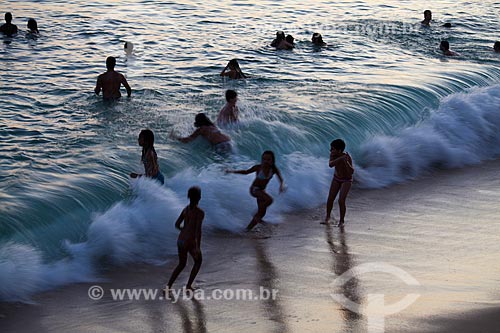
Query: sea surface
point(68, 209)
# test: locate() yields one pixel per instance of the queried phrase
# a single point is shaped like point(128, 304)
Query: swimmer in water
point(427, 18)
point(496, 47)
point(229, 113)
point(207, 129)
point(32, 26)
point(317, 39)
point(111, 81)
point(233, 70)
point(445, 47)
point(8, 28)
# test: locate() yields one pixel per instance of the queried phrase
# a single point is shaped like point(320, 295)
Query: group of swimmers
point(9, 29)
point(444, 46)
point(190, 220)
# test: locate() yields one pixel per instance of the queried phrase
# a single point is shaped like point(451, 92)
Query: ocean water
point(67, 207)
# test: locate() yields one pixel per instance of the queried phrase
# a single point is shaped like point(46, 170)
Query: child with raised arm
point(264, 173)
point(149, 158)
point(342, 179)
point(229, 113)
point(190, 237)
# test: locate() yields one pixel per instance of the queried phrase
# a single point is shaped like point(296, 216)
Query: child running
point(342, 179)
point(149, 158)
point(190, 237)
point(264, 173)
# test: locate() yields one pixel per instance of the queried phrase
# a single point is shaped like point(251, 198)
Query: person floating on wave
point(342, 179)
point(264, 173)
point(317, 39)
point(427, 18)
point(207, 129)
point(149, 158)
point(8, 28)
point(229, 113)
point(189, 240)
point(233, 70)
point(445, 47)
point(111, 81)
point(496, 47)
point(32, 27)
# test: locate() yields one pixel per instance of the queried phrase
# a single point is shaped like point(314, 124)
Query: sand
point(443, 230)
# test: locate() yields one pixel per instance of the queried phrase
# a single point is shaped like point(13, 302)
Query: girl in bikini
point(149, 158)
point(342, 179)
point(190, 237)
point(265, 172)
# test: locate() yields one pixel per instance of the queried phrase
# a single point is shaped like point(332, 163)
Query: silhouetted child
point(342, 179)
point(189, 240)
point(233, 70)
point(207, 129)
point(264, 173)
point(149, 158)
point(445, 47)
point(229, 113)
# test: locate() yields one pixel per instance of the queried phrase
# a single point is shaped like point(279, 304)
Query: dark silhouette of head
point(427, 15)
point(444, 46)
point(317, 39)
point(201, 119)
point(447, 25)
point(290, 39)
point(280, 35)
point(32, 25)
point(234, 63)
point(194, 195)
point(8, 17)
point(148, 138)
point(230, 94)
point(271, 154)
point(338, 144)
point(110, 63)
point(496, 46)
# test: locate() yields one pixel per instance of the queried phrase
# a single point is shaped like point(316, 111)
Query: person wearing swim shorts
point(264, 173)
point(342, 179)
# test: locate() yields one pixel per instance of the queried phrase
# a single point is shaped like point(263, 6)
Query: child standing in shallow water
point(265, 172)
point(190, 237)
point(342, 179)
point(149, 158)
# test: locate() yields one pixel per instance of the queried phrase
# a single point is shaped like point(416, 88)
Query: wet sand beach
point(442, 230)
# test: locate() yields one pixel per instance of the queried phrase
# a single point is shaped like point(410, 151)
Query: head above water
point(230, 95)
point(338, 144)
point(194, 195)
point(201, 119)
point(317, 39)
point(146, 138)
point(290, 39)
point(280, 35)
point(496, 46)
point(233, 63)
point(128, 47)
point(32, 25)
point(110, 63)
point(427, 15)
point(8, 17)
point(444, 46)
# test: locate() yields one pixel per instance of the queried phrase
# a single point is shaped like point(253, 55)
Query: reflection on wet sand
point(195, 323)
point(342, 262)
point(269, 279)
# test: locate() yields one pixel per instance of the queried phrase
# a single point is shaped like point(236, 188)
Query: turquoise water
point(381, 84)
